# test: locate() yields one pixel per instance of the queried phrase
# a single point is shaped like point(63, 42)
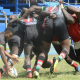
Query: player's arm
point(4, 57)
point(66, 14)
point(23, 11)
point(31, 10)
point(73, 10)
point(12, 19)
point(44, 14)
point(14, 58)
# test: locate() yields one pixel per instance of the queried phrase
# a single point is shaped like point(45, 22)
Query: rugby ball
point(13, 72)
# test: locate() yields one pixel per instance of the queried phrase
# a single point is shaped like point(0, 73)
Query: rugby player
point(50, 21)
point(4, 38)
point(73, 30)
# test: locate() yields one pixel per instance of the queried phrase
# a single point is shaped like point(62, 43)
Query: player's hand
point(60, 2)
point(52, 15)
point(7, 69)
point(14, 59)
point(19, 19)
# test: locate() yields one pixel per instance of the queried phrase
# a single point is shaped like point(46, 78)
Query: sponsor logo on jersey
point(31, 23)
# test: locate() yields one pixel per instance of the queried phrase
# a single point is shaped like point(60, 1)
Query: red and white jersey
point(29, 20)
point(74, 31)
point(56, 10)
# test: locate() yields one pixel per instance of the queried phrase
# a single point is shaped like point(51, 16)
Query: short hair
point(33, 3)
point(10, 29)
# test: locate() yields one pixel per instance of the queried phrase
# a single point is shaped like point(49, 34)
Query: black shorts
point(33, 35)
point(77, 52)
point(56, 27)
point(17, 39)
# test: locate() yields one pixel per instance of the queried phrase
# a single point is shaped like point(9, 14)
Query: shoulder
point(2, 39)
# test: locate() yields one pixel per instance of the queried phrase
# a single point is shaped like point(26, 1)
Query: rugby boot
point(53, 66)
point(36, 74)
point(29, 75)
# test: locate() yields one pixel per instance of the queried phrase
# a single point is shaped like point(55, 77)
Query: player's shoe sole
point(36, 74)
point(53, 66)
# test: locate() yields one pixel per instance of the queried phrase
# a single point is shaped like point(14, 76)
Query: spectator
point(11, 1)
point(23, 1)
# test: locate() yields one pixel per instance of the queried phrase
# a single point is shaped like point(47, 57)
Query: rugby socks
point(62, 55)
point(49, 61)
point(75, 66)
point(33, 69)
point(34, 66)
point(2, 69)
point(39, 62)
point(28, 68)
point(48, 64)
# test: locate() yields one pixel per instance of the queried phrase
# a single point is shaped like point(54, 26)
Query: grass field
point(64, 71)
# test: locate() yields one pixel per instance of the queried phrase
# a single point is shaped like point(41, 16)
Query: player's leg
point(68, 59)
point(47, 63)
point(28, 46)
point(46, 46)
point(72, 54)
point(40, 60)
point(78, 54)
point(27, 51)
point(32, 54)
point(63, 37)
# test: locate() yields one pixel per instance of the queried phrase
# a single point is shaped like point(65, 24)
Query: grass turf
point(64, 71)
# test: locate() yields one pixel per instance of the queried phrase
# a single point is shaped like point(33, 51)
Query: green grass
point(64, 71)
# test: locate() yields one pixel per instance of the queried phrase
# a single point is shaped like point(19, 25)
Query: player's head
point(33, 3)
point(12, 17)
point(9, 32)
